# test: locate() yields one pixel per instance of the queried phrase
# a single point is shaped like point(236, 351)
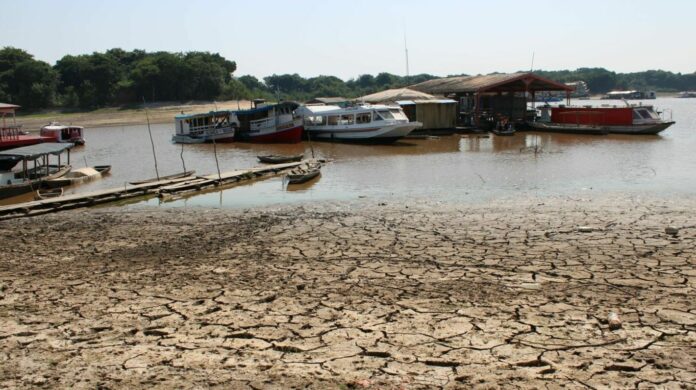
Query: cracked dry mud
point(352, 296)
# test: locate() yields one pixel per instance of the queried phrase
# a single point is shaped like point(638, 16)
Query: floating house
point(433, 112)
point(481, 99)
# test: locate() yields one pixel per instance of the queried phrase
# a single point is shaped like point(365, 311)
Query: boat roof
point(202, 114)
point(429, 101)
point(58, 126)
point(32, 152)
point(266, 107)
point(344, 110)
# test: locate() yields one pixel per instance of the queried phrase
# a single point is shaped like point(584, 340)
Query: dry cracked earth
point(515, 295)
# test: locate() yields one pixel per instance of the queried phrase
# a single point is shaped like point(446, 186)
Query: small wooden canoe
point(48, 193)
point(168, 177)
point(80, 175)
point(279, 159)
point(303, 174)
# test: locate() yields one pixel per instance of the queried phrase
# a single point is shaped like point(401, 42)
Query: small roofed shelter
point(433, 112)
point(394, 95)
point(484, 99)
point(37, 152)
point(329, 101)
point(8, 109)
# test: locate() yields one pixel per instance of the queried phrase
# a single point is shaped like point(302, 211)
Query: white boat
point(64, 133)
point(362, 123)
point(218, 126)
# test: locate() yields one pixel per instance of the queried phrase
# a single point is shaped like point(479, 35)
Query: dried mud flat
point(352, 296)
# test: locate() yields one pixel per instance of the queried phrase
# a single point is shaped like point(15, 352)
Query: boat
point(279, 159)
point(304, 173)
point(269, 123)
point(80, 175)
point(48, 193)
point(631, 119)
point(214, 126)
point(687, 94)
point(507, 131)
point(63, 133)
point(12, 135)
point(362, 123)
point(13, 183)
point(161, 178)
point(629, 95)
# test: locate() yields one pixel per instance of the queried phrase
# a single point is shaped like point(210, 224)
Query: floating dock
point(169, 187)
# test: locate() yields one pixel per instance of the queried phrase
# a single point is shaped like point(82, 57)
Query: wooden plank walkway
point(162, 187)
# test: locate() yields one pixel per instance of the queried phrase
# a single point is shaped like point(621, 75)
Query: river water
point(458, 168)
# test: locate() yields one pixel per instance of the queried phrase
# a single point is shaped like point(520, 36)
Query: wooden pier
point(169, 187)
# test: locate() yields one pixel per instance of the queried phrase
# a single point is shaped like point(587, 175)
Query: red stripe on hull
point(292, 135)
point(22, 140)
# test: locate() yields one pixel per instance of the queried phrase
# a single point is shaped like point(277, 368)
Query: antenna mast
point(406, 49)
point(532, 68)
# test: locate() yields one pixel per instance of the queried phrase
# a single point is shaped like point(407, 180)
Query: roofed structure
point(499, 82)
point(6, 108)
point(327, 100)
point(33, 152)
point(393, 95)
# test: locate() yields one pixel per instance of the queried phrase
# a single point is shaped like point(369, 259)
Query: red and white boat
point(274, 123)
point(601, 120)
point(64, 133)
point(11, 134)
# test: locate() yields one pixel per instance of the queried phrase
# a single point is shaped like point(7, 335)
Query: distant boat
point(214, 126)
point(64, 133)
point(278, 159)
point(687, 94)
point(272, 123)
point(80, 175)
point(364, 123)
point(629, 95)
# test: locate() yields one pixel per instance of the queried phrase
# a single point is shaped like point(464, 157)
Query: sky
point(353, 37)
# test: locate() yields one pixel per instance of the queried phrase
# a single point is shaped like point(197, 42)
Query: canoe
point(303, 174)
point(48, 193)
point(279, 159)
point(168, 177)
point(80, 175)
point(33, 181)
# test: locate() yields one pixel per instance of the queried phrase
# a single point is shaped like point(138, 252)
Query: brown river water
point(459, 167)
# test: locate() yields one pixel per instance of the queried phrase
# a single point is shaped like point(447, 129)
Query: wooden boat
point(48, 193)
point(214, 126)
point(64, 133)
point(279, 159)
point(304, 173)
point(13, 183)
point(80, 175)
point(274, 123)
point(167, 177)
point(637, 119)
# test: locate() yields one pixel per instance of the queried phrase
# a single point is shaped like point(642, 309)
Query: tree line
point(119, 77)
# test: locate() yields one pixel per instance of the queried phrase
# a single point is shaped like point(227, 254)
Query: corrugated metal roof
point(328, 100)
point(491, 82)
point(35, 151)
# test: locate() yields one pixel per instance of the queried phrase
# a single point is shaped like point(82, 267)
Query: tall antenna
point(532, 67)
point(406, 49)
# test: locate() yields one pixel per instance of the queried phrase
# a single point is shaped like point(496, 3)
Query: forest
point(118, 78)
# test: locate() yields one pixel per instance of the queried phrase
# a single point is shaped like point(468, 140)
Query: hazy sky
point(349, 38)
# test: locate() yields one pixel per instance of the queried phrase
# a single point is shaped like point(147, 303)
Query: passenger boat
point(64, 133)
point(80, 175)
point(274, 123)
point(214, 126)
point(13, 183)
point(362, 123)
point(304, 173)
point(11, 134)
point(278, 159)
point(601, 120)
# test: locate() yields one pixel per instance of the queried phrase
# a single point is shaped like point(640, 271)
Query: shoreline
point(353, 295)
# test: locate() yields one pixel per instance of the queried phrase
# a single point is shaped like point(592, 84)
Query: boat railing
point(261, 123)
point(208, 129)
point(10, 132)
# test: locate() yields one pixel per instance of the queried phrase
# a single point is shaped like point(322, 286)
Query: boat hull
point(291, 135)
point(571, 129)
point(646, 129)
point(11, 190)
point(384, 134)
point(222, 137)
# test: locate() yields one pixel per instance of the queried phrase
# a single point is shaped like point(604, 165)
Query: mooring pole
point(152, 142)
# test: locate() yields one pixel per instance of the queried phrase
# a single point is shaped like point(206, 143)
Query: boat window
point(385, 114)
point(362, 118)
point(636, 115)
point(315, 120)
point(333, 120)
point(375, 116)
point(347, 119)
point(645, 114)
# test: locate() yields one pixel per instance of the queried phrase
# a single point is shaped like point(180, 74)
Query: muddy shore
point(357, 295)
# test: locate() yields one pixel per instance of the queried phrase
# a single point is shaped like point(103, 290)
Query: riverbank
point(116, 116)
point(352, 295)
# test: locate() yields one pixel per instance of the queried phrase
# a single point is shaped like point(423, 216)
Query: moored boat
point(363, 123)
point(80, 175)
point(214, 126)
point(64, 133)
point(11, 134)
point(48, 193)
point(601, 120)
point(279, 159)
point(13, 183)
point(273, 123)
point(304, 173)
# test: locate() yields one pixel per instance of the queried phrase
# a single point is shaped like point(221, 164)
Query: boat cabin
point(36, 162)
point(605, 116)
point(350, 116)
point(264, 116)
point(64, 133)
point(200, 125)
